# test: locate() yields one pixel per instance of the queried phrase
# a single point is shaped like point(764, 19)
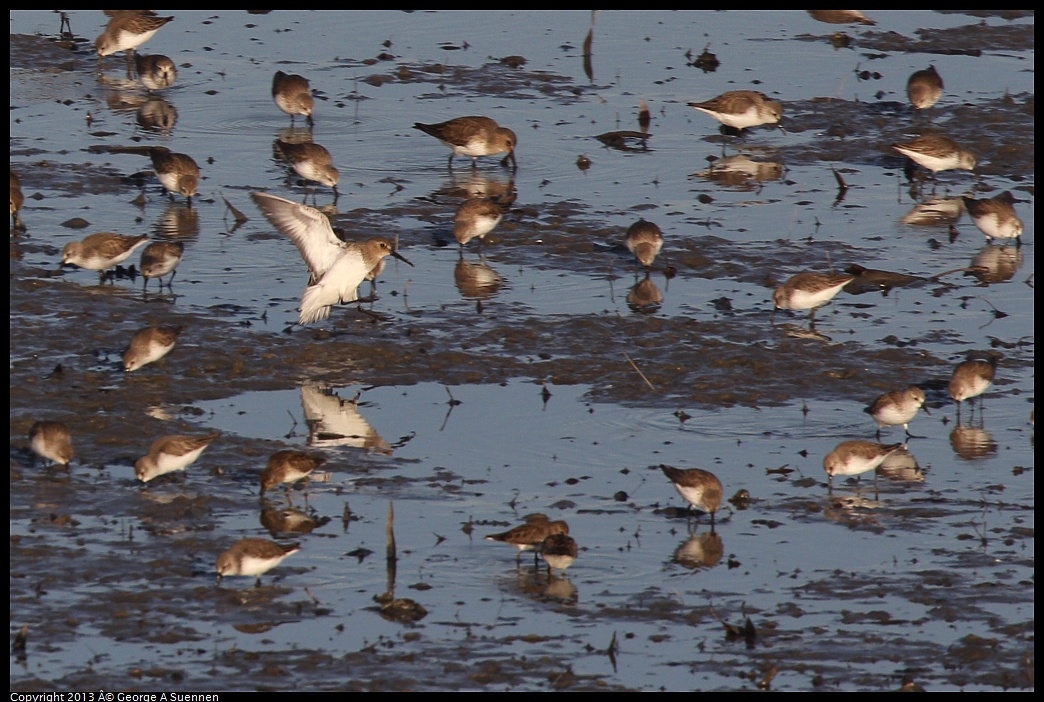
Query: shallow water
point(493, 402)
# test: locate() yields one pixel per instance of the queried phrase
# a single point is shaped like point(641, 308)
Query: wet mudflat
point(496, 386)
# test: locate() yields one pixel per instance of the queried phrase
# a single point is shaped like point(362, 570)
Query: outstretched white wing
point(307, 227)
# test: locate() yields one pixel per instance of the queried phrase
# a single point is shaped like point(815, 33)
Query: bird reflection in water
point(334, 421)
point(700, 551)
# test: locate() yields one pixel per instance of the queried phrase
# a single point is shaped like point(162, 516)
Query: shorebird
point(337, 267)
point(807, 291)
point(559, 551)
point(937, 153)
point(287, 467)
point(171, 453)
point(293, 95)
point(700, 488)
point(149, 345)
point(312, 162)
point(127, 30)
point(178, 172)
point(253, 557)
point(529, 536)
point(158, 259)
point(995, 217)
point(644, 239)
point(51, 441)
point(741, 109)
point(897, 407)
point(924, 88)
point(474, 137)
point(101, 251)
point(856, 457)
point(972, 378)
point(156, 71)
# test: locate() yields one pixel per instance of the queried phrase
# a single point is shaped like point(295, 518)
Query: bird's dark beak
point(402, 258)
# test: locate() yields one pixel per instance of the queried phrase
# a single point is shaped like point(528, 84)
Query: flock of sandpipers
point(338, 268)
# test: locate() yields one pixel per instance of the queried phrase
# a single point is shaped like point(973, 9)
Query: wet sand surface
point(532, 379)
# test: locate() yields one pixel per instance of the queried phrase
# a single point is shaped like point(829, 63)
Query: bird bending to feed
point(178, 172)
point(897, 407)
point(474, 137)
point(856, 457)
point(936, 153)
point(337, 267)
point(700, 488)
point(293, 95)
point(101, 251)
point(149, 345)
point(995, 216)
point(740, 109)
point(972, 378)
point(644, 239)
point(158, 259)
point(924, 88)
point(51, 441)
point(312, 162)
point(559, 551)
point(529, 536)
point(127, 30)
point(807, 291)
point(171, 453)
point(287, 467)
point(253, 557)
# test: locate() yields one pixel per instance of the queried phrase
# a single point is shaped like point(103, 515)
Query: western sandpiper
point(474, 137)
point(644, 239)
point(293, 95)
point(995, 217)
point(529, 536)
point(288, 466)
point(337, 267)
point(559, 551)
point(178, 172)
point(101, 251)
point(312, 162)
point(51, 441)
point(160, 258)
point(253, 557)
point(156, 71)
point(972, 378)
point(127, 30)
point(17, 199)
point(740, 109)
point(148, 345)
point(807, 291)
point(924, 88)
point(897, 407)
point(171, 453)
point(700, 488)
point(937, 153)
point(475, 218)
point(856, 457)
